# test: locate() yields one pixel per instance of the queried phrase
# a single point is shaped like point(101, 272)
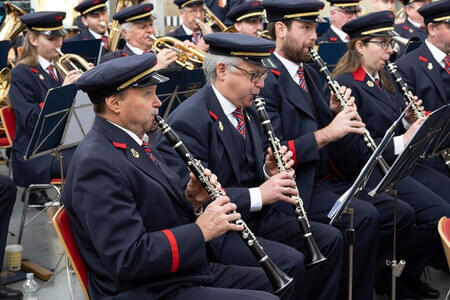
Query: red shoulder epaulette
point(275, 72)
point(424, 59)
point(213, 115)
point(120, 145)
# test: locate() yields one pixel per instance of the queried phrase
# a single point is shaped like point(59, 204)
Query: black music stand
point(182, 84)
point(403, 166)
point(91, 50)
point(4, 49)
point(441, 144)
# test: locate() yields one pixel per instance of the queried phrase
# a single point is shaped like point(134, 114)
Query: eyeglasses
point(254, 76)
point(384, 44)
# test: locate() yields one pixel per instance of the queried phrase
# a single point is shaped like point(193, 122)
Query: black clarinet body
point(315, 255)
point(277, 277)
point(334, 87)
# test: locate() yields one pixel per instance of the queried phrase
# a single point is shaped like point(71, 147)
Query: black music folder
point(4, 49)
point(442, 141)
point(51, 124)
point(91, 50)
point(430, 130)
point(331, 53)
point(182, 84)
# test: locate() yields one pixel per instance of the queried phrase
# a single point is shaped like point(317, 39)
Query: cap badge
point(370, 84)
point(134, 153)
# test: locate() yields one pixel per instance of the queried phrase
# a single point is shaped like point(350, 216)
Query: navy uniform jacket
point(179, 32)
point(202, 125)
point(408, 30)
point(29, 86)
point(425, 77)
point(296, 128)
point(85, 35)
point(329, 36)
point(375, 107)
point(125, 51)
point(130, 219)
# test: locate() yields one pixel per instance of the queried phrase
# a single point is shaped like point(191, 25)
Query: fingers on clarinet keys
point(218, 218)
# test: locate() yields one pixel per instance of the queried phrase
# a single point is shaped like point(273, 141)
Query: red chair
point(8, 119)
point(65, 234)
point(444, 232)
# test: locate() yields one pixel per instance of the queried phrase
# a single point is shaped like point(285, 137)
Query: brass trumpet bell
point(68, 62)
point(188, 57)
point(12, 25)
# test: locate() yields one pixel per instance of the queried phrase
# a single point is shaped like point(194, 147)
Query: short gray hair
point(126, 26)
point(210, 63)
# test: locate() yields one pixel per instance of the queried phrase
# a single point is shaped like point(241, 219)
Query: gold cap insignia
point(370, 84)
point(134, 153)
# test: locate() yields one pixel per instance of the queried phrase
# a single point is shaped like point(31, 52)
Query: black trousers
point(7, 200)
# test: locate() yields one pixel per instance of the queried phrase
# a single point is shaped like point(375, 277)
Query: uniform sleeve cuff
point(255, 199)
point(399, 146)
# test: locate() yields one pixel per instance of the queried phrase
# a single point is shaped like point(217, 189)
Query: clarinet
point(316, 255)
point(334, 87)
point(277, 277)
point(407, 93)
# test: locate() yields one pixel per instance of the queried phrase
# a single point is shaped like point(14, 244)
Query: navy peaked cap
point(300, 10)
point(349, 5)
point(119, 74)
point(252, 49)
point(246, 10)
point(374, 24)
point(135, 13)
point(187, 3)
point(45, 22)
point(90, 6)
point(436, 12)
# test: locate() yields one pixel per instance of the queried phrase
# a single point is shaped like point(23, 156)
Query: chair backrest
point(444, 232)
point(65, 234)
point(8, 119)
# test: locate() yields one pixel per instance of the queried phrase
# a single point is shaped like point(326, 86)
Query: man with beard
point(247, 17)
point(220, 126)
point(316, 135)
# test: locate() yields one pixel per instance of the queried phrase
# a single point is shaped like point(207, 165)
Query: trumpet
point(277, 277)
point(334, 87)
point(68, 62)
point(188, 57)
point(315, 255)
point(211, 19)
point(263, 34)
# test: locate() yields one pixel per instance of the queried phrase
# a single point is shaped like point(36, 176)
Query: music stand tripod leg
point(350, 239)
point(396, 267)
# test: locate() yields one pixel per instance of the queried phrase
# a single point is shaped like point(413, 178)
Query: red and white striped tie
point(301, 79)
point(51, 72)
point(238, 113)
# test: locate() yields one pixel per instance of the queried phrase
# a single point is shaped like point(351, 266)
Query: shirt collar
point(377, 75)
point(133, 135)
point(189, 32)
point(289, 65)
point(415, 24)
point(226, 104)
point(437, 53)
point(135, 50)
point(44, 63)
point(342, 35)
point(97, 35)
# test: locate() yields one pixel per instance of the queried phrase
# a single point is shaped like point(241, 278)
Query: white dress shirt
point(45, 64)
point(228, 108)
